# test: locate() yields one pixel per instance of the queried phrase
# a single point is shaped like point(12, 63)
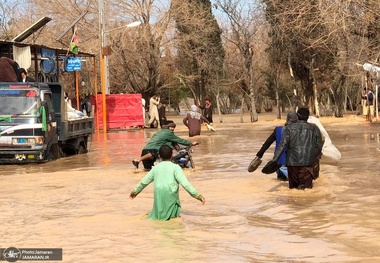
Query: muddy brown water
point(81, 204)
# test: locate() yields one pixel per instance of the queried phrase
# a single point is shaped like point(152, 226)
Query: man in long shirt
point(193, 121)
point(153, 110)
point(167, 177)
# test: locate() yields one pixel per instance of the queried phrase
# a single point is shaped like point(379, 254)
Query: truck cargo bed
point(75, 128)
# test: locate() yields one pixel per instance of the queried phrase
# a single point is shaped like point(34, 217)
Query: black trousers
point(148, 163)
point(301, 177)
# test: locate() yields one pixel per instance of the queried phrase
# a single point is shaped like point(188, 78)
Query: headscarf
point(292, 117)
point(194, 112)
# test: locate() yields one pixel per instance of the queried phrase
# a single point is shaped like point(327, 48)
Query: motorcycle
point(183, 157)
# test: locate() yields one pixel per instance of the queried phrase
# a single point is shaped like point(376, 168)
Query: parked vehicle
point(34, 126)
point(183, 157)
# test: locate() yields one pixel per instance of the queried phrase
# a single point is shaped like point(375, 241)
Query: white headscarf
point(194, 112)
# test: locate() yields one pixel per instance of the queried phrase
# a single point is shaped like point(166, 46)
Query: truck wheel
point(82, 149)
point(54, 153)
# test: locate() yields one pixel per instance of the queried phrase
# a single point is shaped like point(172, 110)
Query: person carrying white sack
point(328, 148)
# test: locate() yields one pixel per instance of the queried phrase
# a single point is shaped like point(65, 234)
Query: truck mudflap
point(18, 157)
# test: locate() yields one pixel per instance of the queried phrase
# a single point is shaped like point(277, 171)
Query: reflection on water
point(81, 204)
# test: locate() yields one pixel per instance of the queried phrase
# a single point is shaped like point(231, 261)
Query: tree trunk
point(253, 113)
point(316, 104)
point(218, 107)
point(242, 110)
point(254, 117)
point(314, 87)
point(278, 96)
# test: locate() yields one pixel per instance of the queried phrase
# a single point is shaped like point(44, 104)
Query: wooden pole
point(96, 97)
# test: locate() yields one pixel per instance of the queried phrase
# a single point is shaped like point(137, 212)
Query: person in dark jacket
point(86, 105)
point(162, 114)
point(303, 144)
point(207, 109)
point(368, 98)
point(25, 77)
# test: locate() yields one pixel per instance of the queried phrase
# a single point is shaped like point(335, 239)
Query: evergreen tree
point(200, 50)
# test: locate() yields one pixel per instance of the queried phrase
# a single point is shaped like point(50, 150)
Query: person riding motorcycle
point(165, 136)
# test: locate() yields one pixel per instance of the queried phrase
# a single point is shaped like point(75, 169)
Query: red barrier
point(123, 111)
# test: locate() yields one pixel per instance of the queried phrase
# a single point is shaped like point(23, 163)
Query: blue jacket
point(302, 142)
point(275, 136)
point(282, 159)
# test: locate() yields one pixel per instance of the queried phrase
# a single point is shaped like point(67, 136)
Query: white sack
point(328, 149)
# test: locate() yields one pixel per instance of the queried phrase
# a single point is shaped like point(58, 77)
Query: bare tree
point(245, 22)
point(323, 41)
point(138, 53)
point(8, 17)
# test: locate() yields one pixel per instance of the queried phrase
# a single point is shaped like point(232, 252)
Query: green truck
point(34, 124)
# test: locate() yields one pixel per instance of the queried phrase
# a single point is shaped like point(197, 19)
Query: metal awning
point(32, 29)
point(6, 49)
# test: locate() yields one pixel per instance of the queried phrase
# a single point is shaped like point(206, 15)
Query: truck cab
point(33, 124)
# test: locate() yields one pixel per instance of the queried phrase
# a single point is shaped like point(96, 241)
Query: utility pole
point(103, 62)
point(105, 51)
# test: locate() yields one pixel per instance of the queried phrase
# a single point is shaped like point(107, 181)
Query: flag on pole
point(74, 44)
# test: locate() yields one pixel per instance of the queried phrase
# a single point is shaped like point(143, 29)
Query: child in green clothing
point(167, 177)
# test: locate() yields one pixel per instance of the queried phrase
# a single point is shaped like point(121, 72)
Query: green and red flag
point(74, 44)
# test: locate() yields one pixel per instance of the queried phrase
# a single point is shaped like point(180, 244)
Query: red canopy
point(123, 111)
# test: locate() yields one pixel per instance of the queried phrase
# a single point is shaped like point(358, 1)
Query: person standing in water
point(207, 109)
point(193, 121)
point(275, 136)
point(303, 144)
point(167, 177)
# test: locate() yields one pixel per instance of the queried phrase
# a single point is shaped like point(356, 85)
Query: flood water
point(81, 204)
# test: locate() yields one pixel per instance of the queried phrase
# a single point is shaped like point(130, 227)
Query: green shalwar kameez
point(167, 177)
